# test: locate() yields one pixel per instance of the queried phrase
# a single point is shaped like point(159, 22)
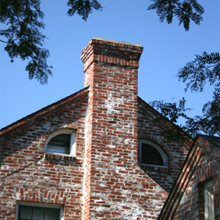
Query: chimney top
point(112, 41)
point(111, 52)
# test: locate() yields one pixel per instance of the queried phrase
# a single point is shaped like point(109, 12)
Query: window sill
point(154, 168)
point(59, 157)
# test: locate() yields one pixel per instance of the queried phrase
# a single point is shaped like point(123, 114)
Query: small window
point(61, 142)
point(209, 203)
point(152, 154)
point(39, 212)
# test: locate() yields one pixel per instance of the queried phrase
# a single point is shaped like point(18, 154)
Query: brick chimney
point(113, 187)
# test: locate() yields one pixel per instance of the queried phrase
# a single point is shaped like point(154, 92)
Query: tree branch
point(178, 4)
point(4, 41)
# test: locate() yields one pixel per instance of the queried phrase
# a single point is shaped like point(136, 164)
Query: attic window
point(152, 154)
point(61, 142)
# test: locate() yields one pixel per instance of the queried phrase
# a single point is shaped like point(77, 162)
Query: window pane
point(38, 214)
point(209, 203)
point(59, 144)
point(150, 155)
point(26, 213)
point(51, 215)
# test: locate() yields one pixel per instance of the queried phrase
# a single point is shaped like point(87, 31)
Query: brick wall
point(104, 180)
point(150, 129)
point(30, 175)
point(192, 203)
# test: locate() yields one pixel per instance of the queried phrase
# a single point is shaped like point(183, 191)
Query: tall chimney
point(113, 186)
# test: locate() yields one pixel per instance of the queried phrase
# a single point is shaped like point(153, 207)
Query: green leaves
point(185, 11)
point(23, 20)
point(205, 68)
point(83, 7)
point(171, 110)
point(24, 39)
point(196, 74)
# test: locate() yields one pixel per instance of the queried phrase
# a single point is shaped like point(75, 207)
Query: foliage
point(83, 7)
point(24, 39)
point(185, 11)
point(196, 74)
point(23, 21)
point(204, 68)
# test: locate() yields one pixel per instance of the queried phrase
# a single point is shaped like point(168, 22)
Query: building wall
point(150, 129)
point(118, 188)
point(105, 179)
point(28, 174)
point(192, 203)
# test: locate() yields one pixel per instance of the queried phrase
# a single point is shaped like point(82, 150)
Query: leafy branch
point(196, 73)
point(24, 39)
point(83, 7)
point(185, 11)
point(204, 68)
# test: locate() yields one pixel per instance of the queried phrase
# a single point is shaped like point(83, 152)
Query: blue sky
point(167, 48)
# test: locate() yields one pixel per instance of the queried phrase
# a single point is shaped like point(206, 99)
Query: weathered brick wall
point(192, 203)
point(104, 180)
point(118, 188)
point(30, 175)
point(150, 129)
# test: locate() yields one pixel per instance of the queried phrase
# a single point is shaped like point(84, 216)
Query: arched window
point(61, 142)
point(152, 154)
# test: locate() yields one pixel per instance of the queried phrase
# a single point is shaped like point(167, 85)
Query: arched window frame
point(72, 140)
point(161, 152)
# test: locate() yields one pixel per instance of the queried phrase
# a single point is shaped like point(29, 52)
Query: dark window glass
point(59, 144)
point(150, 155)
point(37, 213)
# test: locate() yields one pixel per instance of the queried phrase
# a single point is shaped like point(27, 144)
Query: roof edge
point(199, 147)
point(165, 118)
point(39, 112)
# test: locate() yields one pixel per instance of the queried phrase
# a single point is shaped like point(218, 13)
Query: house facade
point(196, 192)
point(96, 154)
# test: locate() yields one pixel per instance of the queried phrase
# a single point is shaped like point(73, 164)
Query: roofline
point(184, 177)
point(31, 116)
point(170, 205)
point(210, 142)
point(165, 118)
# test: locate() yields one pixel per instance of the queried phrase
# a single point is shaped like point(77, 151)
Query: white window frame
point(72, 140)
point(209, 201)
point(43, 205)
point(161, 152)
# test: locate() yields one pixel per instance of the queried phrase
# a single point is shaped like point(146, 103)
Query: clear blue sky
point(167, 48)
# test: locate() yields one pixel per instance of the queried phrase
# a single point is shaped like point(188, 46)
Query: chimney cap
point(111, 52)
point(114, 41)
